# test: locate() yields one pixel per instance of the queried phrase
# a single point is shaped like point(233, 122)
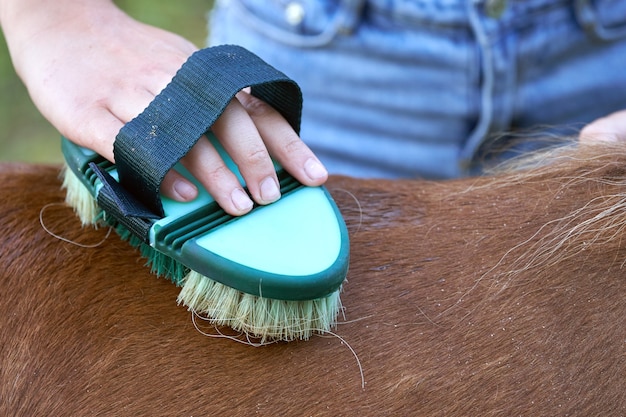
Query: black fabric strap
point(147, 147)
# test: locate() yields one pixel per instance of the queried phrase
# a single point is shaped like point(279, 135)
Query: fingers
point(177, 187)
point(241, 140)
point(611, 128)
point(208, 167)
point(251, 132)
point(283, 143)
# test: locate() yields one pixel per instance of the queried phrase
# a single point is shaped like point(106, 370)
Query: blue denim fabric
point(412, 88)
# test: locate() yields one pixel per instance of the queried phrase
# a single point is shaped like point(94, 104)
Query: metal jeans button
point(294, 13)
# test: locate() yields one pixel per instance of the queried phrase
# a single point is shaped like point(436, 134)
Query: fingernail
point(185, 190)
point(241, 200)
point(314, 169)
point(269, 190)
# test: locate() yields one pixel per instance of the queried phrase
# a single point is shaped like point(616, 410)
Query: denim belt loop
point(589, 21)
point(345, 20)
point(480, 131)
point(351, 11)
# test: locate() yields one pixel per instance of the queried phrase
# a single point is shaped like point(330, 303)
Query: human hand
point(611, 128)
point(90, 68)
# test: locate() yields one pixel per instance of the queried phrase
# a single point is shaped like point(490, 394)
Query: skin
point(611, 128)
point(90, 68)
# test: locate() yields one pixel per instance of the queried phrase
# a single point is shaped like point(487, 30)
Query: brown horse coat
point(489, 296)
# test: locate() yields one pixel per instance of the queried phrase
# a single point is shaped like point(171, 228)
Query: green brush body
point(297, 306)
point(274, 273)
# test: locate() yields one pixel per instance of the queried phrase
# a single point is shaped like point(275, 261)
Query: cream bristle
point(257, 317)
point(79, 198)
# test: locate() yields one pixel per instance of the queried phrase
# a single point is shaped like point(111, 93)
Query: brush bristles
point(258, 317)
point(78, 197)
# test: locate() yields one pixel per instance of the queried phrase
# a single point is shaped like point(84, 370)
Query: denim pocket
point(300, 23)
point(602, 19)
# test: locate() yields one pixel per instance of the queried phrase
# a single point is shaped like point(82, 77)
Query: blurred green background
point(26, 135)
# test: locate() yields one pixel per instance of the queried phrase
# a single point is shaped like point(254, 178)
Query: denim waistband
point(601, 19)
point(454, 12)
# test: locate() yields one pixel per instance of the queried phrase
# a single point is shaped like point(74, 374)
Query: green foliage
point(26, 135)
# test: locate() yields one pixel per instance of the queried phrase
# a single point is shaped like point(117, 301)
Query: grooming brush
point(275, 273)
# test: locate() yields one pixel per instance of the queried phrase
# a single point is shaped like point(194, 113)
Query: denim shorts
point(414, 88)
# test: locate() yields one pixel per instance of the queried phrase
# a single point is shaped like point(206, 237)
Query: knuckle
point(257, 157)
point(255, 106)
point(293, 145)
point(218, 174)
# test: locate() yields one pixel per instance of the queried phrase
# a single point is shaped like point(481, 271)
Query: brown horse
point(499, 295)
